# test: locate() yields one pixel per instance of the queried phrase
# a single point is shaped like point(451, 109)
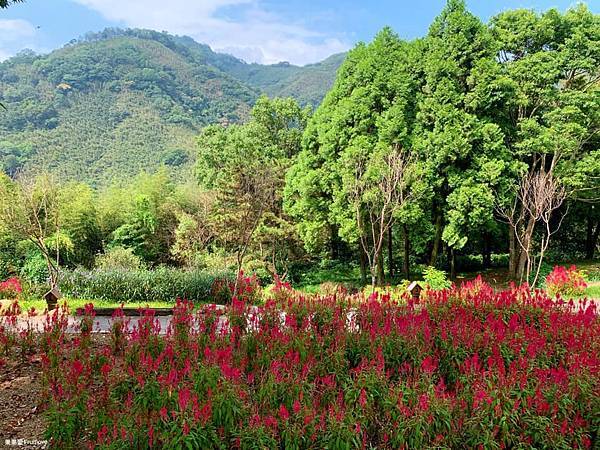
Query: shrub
point(10, 288)
point(435, 279)
point(119, 258)
point(500, 260)
point(248, 290)
point(331, 288)
point(330, 271)
point(220, 291)
point(141, 285)
point(35, 269)
point(565, 282)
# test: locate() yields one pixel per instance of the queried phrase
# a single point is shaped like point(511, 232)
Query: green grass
point(591, 270)
point(593, 291)
point(328, 272)
point(75, 303)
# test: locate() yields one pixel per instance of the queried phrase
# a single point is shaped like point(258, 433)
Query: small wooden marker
point(415, 290)
point(52, 297)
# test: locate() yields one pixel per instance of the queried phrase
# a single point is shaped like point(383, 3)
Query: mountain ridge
point(123, 100)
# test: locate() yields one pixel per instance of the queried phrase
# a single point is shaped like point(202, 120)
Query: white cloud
point(15, 34)
point(240, 27)
point(16, 28)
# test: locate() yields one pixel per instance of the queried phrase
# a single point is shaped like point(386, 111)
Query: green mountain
point(307, 84)
point(117, 102)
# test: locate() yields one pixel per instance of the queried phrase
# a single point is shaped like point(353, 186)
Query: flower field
point(464, 367)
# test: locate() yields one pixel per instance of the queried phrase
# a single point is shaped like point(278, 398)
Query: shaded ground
point(21, 413)
point(497, 278)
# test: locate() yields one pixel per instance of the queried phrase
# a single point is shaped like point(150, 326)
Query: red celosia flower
point(163, 413)
point(423, 402)
point(491, 346)
point(563, 281)
point(76, 370)
point(102, 433)
point(428, 365)
point(270, 422)
point(480, 397)
point(205, 413)
point(183, 398)
point(362, 398)
point(283, 413)
point(105, 369)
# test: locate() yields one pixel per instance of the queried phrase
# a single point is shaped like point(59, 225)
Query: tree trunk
point(437, 240)
point(390, 249)
point(334, 242)
point(523, 268)
point(406, 261)
point(240, 260)
point(592, 238)
point(487, 250)
point(513, 252)
point(363, 265)
point(452, 260)
point(380, 271)
point(595, 238)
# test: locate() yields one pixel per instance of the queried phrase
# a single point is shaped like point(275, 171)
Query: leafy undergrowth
point(465, 368)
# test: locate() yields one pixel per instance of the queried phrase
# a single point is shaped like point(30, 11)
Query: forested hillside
point(116, 102)
point(307, 84)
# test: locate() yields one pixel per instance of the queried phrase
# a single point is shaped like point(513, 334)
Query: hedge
point(161, 284)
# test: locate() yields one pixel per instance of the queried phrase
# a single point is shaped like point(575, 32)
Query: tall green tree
point(246, 165)
point(369, 110)
point(461, 146)
point(548, 76)
point(80, 222)
point(30, 210)
point(144, 218)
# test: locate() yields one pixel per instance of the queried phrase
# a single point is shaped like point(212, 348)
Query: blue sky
point(266, 31)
